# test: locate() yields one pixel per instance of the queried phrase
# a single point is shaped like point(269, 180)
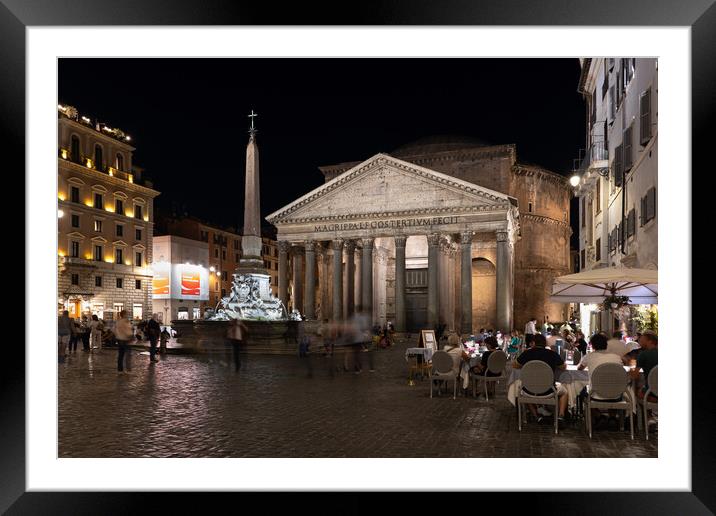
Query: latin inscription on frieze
point(387, 224)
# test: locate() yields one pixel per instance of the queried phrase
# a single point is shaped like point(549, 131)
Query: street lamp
point(574, 180)
point(60, 214)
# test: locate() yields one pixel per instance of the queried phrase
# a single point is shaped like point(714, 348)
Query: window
point(137, 311)
point(137, 259)
point(631, 223)
point(223, 292)
point(582, 257)
point(529, 207)
point(119, 206)
point(98, 201)
point(612, 103)
point(75, 249)
point(593, 117)
point(98, 157)
point(628, 153)
point(138, 284)
point(598, 250)
point(137, 211)
point(75, 279)
point(137, 234)
point(75, 221)
point(74, 194)
point(584, 212)
point(216, 252)
point(605, 81)
point(598, 195)
point(196, 313)
point(119, 162)
point(223, 254)
point(119, 283)
point(118, 256)
point(237, 257)
point(236, 244)
point(118, 307)
point(98, 253)
point(204, 236)
point(648, 206)
point(98, 281)
point(645, 117)
point(224, 277)
point(75, 149)
point(183, 313)
point(98, 226)
point(618, 165)
point(120, 230)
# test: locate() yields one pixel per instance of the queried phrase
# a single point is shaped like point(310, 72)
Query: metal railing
point(598, 151)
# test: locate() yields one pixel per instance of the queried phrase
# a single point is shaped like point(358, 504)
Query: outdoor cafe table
point(572, 379)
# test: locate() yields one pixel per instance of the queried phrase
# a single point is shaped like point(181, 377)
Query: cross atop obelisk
point(252, 130)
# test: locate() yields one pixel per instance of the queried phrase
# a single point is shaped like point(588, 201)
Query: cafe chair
point(609, 382)
point(537, 376)
point(497, 363)
point(653, 381)
point(442, 370)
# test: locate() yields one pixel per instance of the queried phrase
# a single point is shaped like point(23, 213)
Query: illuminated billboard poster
point(160, 280)
point(190, 283)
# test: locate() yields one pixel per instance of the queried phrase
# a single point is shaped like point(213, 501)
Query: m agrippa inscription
point(384, 224)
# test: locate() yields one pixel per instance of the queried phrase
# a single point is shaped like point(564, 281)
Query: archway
point(484, 294)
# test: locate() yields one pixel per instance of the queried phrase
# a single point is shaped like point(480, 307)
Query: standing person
point(546, 327)
point(237, 334)
point(124, 334)
point(64, 332)
point(74, 336)
point(85, 334)
point(153, 332)
point(163, 338)
point(530, 331)
point(95, 332)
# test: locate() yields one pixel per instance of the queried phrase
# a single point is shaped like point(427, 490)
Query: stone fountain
point(270, 328)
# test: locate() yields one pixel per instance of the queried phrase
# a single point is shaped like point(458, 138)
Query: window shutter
point(642, 212)
point(628, 154)
point(618, 165)
point(650, 204)
point(645, 117)
point(612, 103)
point(598, 250)
point(631, 223)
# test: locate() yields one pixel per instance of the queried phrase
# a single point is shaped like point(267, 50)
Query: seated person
point(616, 345)
point(552, 359)
point(514, 346)
point(553, 338)
point(581, 343)
point(459, 356)
point(599, 356)
point(648, 358)
point(481, 368)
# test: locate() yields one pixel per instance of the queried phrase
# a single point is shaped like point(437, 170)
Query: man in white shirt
point(530, 331)
point(616, 345)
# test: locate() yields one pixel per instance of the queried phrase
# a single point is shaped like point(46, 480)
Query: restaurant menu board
point(428, 340)
point(190, 283)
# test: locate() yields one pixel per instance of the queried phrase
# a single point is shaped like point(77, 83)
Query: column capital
point(337, 245)
point(350, 246)
point(284, 246)
point(434, 239)
point(310, 246)
point(466, 237)
point(400, 240)
point(367, 243)
point(502, 236)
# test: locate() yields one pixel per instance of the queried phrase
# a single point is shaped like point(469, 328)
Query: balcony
point(595, 157)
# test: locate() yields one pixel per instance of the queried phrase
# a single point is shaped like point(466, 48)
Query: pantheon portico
point(399, 242)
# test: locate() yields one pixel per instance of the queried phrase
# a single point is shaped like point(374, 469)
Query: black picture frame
point(17, 15)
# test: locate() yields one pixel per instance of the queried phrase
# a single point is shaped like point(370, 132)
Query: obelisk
point(251, 262)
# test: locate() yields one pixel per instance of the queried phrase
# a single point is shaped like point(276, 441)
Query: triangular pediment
point(384, 184)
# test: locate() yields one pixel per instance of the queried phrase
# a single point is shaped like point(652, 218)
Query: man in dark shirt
point(647, 359)
point(552, 359)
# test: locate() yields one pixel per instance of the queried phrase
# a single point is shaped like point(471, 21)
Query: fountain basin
point(264, 337)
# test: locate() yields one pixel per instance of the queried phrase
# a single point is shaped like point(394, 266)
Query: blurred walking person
point(124, 334)
point(64, 332)
point(74, 335)
point(153, 332)
point(85, 334)
point(163, 338)
point(237, 333)
point(95, 326)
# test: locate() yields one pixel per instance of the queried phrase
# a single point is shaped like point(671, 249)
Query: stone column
point(367, 277)
point(359, 283)
point(400, 283)
point(283, 248)
point(309, 307)
point(433, 295)
point(298, 279)
point(337, 246)
point(350, 277)
point(466, 281)
point(504, 282)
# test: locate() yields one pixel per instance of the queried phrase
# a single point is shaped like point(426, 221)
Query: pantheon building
point(445, 230)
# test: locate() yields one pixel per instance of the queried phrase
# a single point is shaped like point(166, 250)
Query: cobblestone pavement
point(279, 406)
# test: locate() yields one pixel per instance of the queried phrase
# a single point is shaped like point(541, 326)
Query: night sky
point(188, 117)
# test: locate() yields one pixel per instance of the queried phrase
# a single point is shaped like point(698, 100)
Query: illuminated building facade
point(105, 221)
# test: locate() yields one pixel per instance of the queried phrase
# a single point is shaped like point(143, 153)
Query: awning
point(639, 285)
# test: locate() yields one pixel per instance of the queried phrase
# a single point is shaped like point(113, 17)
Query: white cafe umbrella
point(639, 285)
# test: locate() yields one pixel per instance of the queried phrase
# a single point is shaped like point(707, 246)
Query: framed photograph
point(184, 156)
